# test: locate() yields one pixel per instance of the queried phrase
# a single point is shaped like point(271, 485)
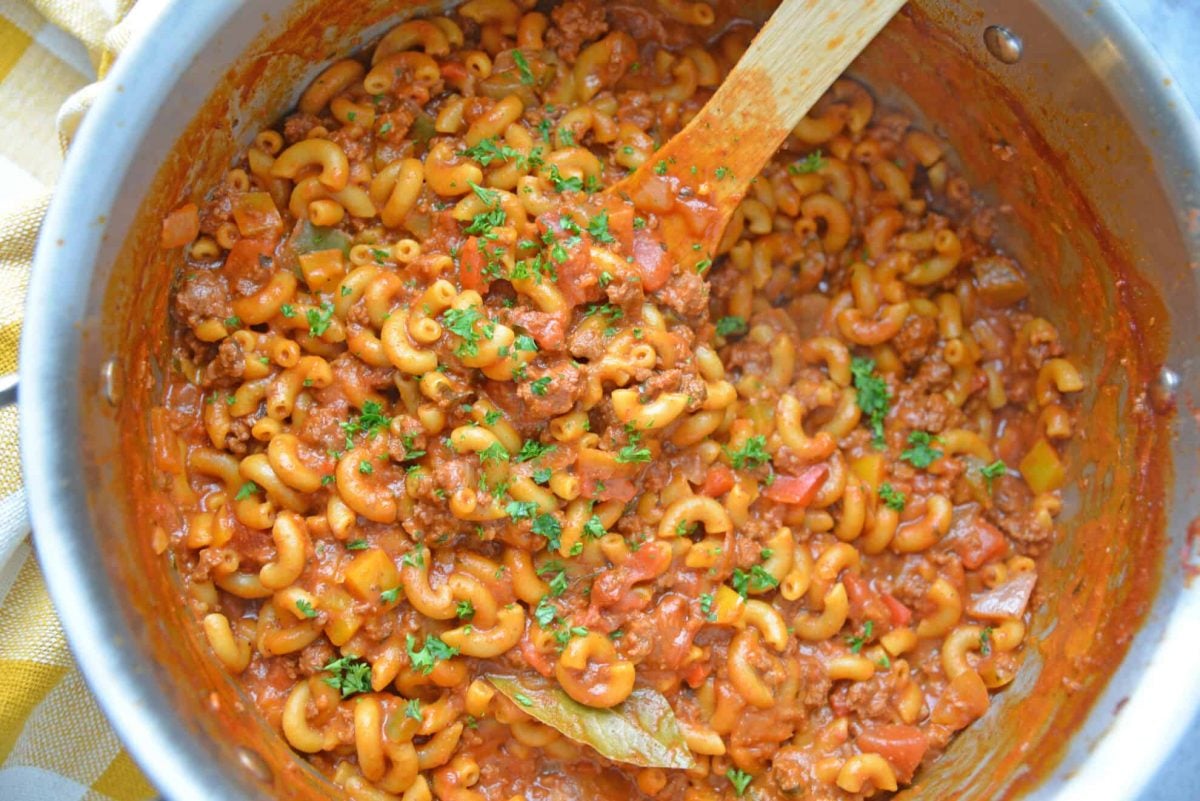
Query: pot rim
point(1164, 702)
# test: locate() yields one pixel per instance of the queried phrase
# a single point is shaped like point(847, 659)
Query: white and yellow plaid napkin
point(55, 744)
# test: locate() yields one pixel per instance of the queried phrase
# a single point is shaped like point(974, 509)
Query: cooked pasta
point(455, 452)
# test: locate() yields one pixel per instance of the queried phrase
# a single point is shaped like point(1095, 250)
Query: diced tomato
point(535, 658)
point(180, 227)
point(454, 71)
point(963, 701)
point(244, 259)
point(902, 746)
point(982, 543)
point(257, 217)
point(695, 673)
point(607, 489)
point(471, 262)
point(718, 481)
point(652, 261)
point(797, 490)
point(901, 614)
point(578, 280)
point(865, 603)
point(620, 225)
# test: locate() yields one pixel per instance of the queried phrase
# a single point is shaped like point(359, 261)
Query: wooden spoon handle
point(792, 61)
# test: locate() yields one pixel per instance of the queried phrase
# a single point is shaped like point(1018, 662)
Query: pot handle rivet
point(253, 762)
point(1002, 43)
point(1164, 389)
point(110, 384)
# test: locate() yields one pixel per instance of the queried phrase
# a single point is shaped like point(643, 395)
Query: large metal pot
point(1097, 157)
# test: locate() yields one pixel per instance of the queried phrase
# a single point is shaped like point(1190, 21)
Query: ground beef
point(910, 587)
point(1022, 527)
point(298, 126)
point(239, 435)
point(916, 338)
point(676, 380)
point(869, 699)
point(228, 368)
point(315, 657)
point(216, 210)
point(625, 295)
point(322, 426)
point(204, 295)
point(587, 342)
point(686, 293)
point(565, 387)
point(638, 109)
point(927, 412)
point(747, 356)
point(575, 22)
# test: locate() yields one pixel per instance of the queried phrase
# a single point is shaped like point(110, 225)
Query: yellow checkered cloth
point(55, 744)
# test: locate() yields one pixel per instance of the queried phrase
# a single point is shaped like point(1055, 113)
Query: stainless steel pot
point(1098, 156)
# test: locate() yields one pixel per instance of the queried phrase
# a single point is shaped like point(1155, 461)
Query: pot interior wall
point(927, 61)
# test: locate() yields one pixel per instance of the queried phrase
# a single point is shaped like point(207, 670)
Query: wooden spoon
point(696, 180)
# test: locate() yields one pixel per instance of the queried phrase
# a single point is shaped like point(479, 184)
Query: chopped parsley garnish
point(390, 596)
point(856, 643)
point(539, 386)
point(287, 310)
point(372, 421)
point(493, 453)
point(483, 223)
point(233, 322)
point(567, 136)
point(542, 475)
point(722, 173)
point(461, 323)
point(490, 418)
point(522, 699)
point(465, 610)
point(487, 151)
point(532, 449)
point(991, 472)
point(985, 642)
point(730, 325)
point(526, 343)
point(245, 491)
point(319, 319)
point(632, 454)
point(412, 709)
point(432, 652)
point(558, 584)
point(706, 606)
point(547, 525)
point(594, 528)
point(545, 613)
point(562, 184)
point(752, 453)
point(920, 454)
point(813, 162)
point(757, 579)
point(892, 498)
point(660, 168)
point(305, 608)
point(357, 545)
point(523, 67)
point(740, 780)
point(598, 228)
point(349, 674)
point(488, 196)
point(365, 467)
point(872, 396)
point(521, 510)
